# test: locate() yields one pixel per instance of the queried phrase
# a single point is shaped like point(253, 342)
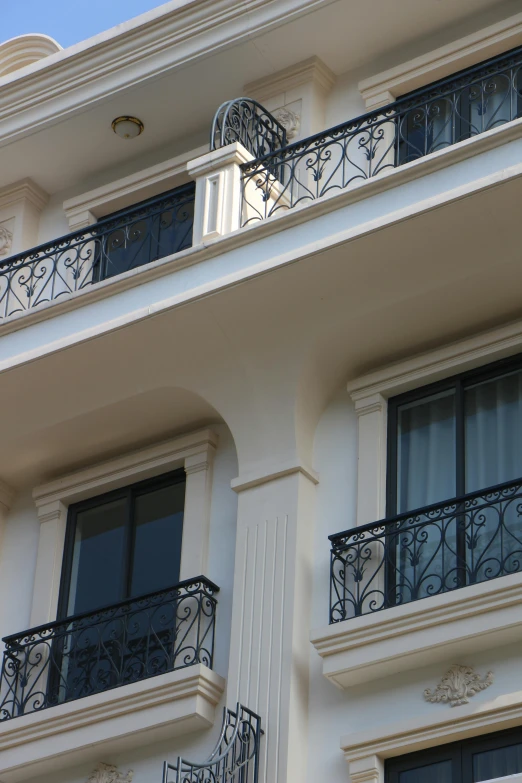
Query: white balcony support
point(217, 210)
point(114, 721)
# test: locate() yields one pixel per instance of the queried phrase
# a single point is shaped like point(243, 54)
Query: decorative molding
point(25, 50)
point(312, 70)
point(458, 685)
point(291, 121)
point(431, 366)
point(421, 633)
point(24, 190)
point(128, 190)
point(255, 479)
point(109, 773)
point(134, 466)
point(395, 737)
point(6, 239)
point(151, 710)
point(488, 42)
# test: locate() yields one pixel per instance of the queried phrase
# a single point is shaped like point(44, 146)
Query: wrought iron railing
point(448, 111)
point(425, 552)
point(246, 121)
point(235, 759)
point(117, 645)
point(119, 243)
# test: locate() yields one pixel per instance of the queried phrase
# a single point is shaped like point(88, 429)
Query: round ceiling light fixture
point(127, 127)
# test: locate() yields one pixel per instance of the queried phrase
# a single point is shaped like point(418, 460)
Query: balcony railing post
point(217, 210)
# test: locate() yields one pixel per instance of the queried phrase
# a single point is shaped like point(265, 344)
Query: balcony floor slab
point(167, 705)
point(421, 633)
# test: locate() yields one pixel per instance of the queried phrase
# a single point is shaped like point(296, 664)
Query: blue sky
point(68, 21)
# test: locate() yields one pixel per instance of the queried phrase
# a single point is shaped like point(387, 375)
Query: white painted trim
point(312, 70)
point(195, 452)
point(24, 190)
point(385, 86)
point(431, 366)
point(157, 708)
point(381, 741)
point(271, 473)
point(435, 629)
point(128, 190)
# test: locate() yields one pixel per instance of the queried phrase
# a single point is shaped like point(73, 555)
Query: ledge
point(168, 705)
point(366, 751)
point(421, 633)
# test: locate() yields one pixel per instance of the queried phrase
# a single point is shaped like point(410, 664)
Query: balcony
point(124, 241)
point(140, 668)
point(449, 111)
point(114, 646)
point(423, 586)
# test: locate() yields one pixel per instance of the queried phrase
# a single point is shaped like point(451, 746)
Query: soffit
point(56, 116)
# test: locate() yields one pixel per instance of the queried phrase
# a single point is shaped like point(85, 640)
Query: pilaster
point(269, 651)
point(372, 413)
point(53, 520)
point(196, 524)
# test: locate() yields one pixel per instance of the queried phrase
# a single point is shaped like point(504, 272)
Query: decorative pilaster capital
point(371, 403)
point(367, 770)
point(50, 511)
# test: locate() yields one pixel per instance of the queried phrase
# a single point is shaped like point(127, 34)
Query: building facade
point(261, 384)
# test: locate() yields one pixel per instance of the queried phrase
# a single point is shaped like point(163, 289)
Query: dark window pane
point(158, 518)
point(497, 763)
point(97, 571)
point(493, 424)
point(426, 451)
point(440, 772)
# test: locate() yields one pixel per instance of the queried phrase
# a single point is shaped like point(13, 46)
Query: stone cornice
point(159, 41)
point(311, 70)
point(24, 189)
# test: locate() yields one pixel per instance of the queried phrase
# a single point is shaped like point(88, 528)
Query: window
point(152, 229)
point(455, 437)
point(123, 544)
point(466, 104)
point(479, 759)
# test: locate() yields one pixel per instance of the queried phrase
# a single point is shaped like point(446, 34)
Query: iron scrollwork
point(117, 645)
point(449, 111)
point(246, 121)
point(124, 241)
point(432, 550)
point(235, 759)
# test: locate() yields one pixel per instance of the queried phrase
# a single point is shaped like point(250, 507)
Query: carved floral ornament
point(6, 240)
point(108, 773)
point(290, 121)
point(458, 685)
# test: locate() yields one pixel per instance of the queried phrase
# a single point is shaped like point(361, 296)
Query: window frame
point(461, 753)
point(193, 452)
point(459, 382)
point(130, 492)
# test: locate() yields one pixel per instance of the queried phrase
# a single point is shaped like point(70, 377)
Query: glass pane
point(440, 772)
point(493, 425)
point(158, 529)
point(497, 763)
point(426, 451)
point(97, 572)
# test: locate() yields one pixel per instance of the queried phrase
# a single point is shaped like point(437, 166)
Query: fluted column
point(270, 645)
